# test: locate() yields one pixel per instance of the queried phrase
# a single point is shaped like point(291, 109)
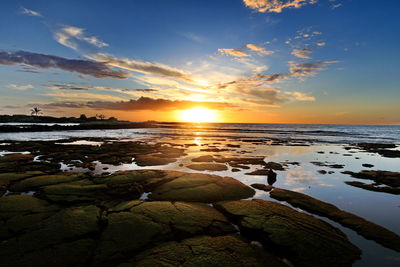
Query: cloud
point(71, 37)
point(233, 52)
point(193, 37)
point(42, 61)
point(258, 49)
point(142, 66)
point(321, 44)
point(21, 87)
point(142, 103)
point(30, 12)
point(307, 69)
point(302, 53)
point(334, 6)
point(276, 5)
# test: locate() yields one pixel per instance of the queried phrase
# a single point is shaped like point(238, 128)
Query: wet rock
point(152, 160)
point(214, 149)
point(208, 167)
point(235, 170)
point(263, 187)
point(274, 166)
point(15, 176)
point(262, 172)
point(371, 187)
point(305, 240)
point(207, 251)
point(58, 234)
point(363, 227)
point(324, 164)
point(201, 188)
point(231, 145)
point(384, 150)
point(205, 158)
point(143, 224)
point(380, 177)
point(322, 171)
point(44, 180)
point(366, 165)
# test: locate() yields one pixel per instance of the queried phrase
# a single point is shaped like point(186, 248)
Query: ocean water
point(316, 133)
point(323, 143)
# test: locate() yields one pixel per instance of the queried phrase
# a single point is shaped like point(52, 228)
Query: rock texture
point(307, 240)
point(363, 227)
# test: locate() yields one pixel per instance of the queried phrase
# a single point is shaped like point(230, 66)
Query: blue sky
point(280, 61)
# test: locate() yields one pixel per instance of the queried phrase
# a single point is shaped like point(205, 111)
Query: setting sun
point(198, 115)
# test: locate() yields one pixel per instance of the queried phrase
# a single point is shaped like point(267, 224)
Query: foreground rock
point(306, 240)
point(199, 187)
point(363, 227)
point(136, 225)
point(35, 233)
point(206, 251)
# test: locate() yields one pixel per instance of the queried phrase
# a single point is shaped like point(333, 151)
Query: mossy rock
point(123, 177)
point(15, 176)
point(305, 240)
point(142, 224)
point(45, 180)
point(199, 187)
point(363, 227)
point(67, 225)
point(205, 251)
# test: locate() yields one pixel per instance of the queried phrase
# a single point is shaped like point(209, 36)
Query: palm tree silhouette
point(36, 111)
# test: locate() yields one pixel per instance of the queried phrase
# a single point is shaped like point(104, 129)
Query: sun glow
point(198, 115)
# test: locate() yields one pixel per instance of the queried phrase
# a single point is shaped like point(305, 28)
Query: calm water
point(327, 141)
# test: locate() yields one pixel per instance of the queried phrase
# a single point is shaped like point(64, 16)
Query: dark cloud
point(142, 103)
point(86, 67)
point(307, 69)
point(147, 90)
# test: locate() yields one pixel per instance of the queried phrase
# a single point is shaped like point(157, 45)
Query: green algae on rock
point(198, 187)
point(206, 251)
point(306, 240)
point(139, 224)
point(363, 227)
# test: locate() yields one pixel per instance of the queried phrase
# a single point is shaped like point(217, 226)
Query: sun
point(198, 115)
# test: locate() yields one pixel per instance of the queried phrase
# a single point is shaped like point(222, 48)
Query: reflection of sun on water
point(197, 141)
point(198, 115)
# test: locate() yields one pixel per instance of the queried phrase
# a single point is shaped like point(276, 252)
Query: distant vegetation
point(35, 118)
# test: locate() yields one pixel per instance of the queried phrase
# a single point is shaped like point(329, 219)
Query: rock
point(303, 239)
point(262, 172)
point(363, 227)
point(152, 160)
point(199, 187)
point(322, 171)
point(231, 145)
point(205, 158)
point(366, 165)
point(322, 164)
point(384, 150)
point(15, 176)
point(44, 180)
point(380, 177)
point(208, 167)
point(206, 251)
point(274, 166)
point(371, 187)
point(235, 170)
point(143, 224)
point(51, 234)
point(263, 187)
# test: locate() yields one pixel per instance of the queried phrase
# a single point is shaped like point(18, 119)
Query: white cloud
point(30, 12)
point(233, 52)
point(70, 36)
point(258, 49)
point(20, 87)
point(302, 53)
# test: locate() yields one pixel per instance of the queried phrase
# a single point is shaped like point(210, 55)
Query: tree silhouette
point(101, 116)
point(36, 111)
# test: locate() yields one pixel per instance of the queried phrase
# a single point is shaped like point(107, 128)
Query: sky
point(253, 61)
